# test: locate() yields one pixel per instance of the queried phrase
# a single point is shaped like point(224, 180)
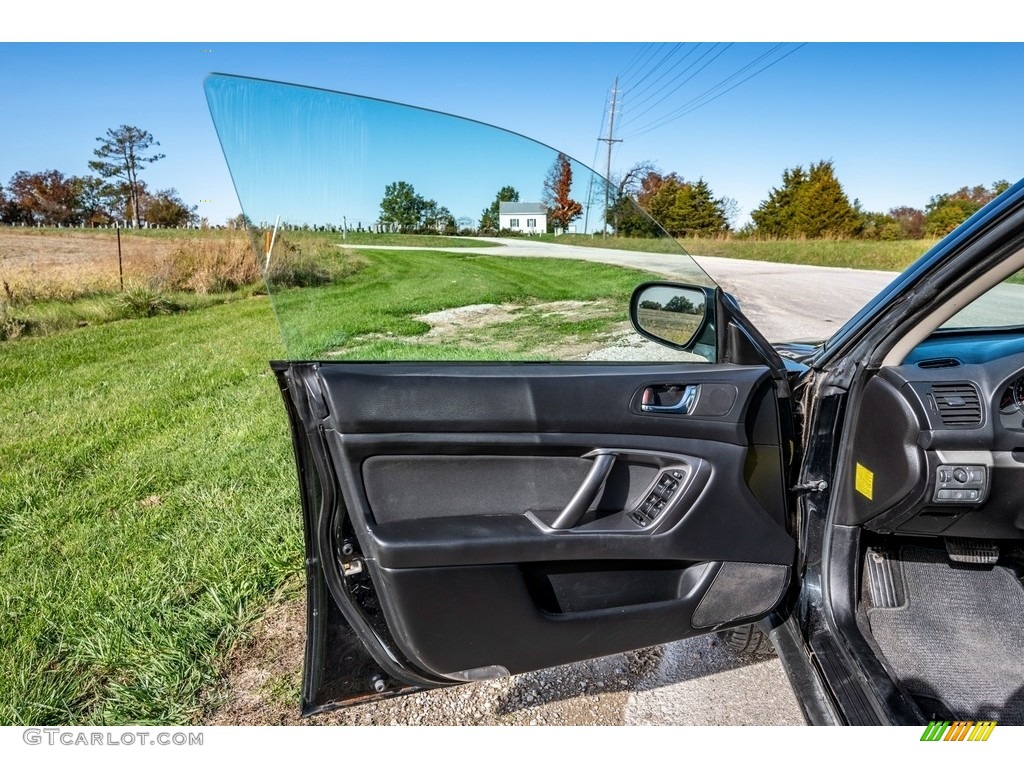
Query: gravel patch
point(263, 676)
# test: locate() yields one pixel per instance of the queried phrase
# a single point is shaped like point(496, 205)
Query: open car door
point(468, 515)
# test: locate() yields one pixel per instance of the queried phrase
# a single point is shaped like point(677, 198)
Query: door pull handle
point(586, 493)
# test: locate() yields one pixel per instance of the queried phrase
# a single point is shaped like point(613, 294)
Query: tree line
point(810, 203)
point(115, 193)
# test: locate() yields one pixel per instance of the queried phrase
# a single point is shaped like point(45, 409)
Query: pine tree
point(809, 203)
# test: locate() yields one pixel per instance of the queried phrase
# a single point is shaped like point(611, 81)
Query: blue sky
point(901, 121)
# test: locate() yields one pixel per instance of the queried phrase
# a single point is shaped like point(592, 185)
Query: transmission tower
point(609, 140)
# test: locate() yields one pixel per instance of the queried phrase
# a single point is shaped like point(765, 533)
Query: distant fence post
point(120, 265)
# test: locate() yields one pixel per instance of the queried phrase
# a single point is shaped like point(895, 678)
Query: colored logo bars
point(960, 730)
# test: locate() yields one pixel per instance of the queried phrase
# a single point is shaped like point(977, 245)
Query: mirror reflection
point(671, 314)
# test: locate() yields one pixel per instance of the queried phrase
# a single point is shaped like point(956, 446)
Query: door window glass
point(374, 223)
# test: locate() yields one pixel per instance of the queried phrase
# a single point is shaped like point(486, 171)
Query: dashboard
point(938, 441)
point(1011, 405)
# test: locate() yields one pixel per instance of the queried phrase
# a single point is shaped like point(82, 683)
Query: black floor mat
point(957, 644)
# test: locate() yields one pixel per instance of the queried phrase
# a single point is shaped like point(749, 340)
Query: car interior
point(934, 483)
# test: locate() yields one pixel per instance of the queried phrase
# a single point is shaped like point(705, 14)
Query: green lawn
point(894, 256)
point(148, 503)
point(398, 285)
point(418, 241)
point(891, 256)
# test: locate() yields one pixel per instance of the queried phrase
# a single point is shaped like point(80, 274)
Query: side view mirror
point(678, 316)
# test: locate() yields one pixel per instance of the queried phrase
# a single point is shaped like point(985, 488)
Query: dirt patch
point(448, 323)
point(555, 330)
point(451, 322)
point(263, 674)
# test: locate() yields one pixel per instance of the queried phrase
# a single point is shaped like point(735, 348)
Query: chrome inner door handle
point(687, 400)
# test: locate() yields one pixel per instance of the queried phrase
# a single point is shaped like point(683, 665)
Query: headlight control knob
point(961, 475)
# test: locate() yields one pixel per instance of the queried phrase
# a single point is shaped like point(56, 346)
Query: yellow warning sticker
point(865, 481)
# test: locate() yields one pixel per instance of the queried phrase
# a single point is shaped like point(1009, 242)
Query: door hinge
point(352, 567)
point(814, 486)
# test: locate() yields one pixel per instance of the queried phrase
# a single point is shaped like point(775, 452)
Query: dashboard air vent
point(958, 404)
point(940, 362)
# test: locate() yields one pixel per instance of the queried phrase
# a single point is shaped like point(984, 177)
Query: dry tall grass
point(66, 265)
point(56, 265)
point(55, 279)
point(209, 265)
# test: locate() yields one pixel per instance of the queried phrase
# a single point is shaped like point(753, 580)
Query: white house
point(529, 218)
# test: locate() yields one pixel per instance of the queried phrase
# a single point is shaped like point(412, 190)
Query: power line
point(654, 69)
point(717, 85)
point(669, 71)
point(655, 48)
point(676, 114)
point(667, 95)
point(593, 163)
point(634, 60)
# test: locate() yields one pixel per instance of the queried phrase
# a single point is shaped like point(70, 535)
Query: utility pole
point(610, 140)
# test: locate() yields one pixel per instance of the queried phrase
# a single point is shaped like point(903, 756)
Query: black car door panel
point(450, 523)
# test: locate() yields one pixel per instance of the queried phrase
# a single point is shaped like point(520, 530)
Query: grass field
point(893, 256)
point(418, 241)
point(148, 503)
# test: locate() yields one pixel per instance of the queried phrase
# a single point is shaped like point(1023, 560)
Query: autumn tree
point(10, 211)
point(45, 197)
point(911, 221)
point(122, 154)
point(562, 209)
point(490, 219)
point(946, 212)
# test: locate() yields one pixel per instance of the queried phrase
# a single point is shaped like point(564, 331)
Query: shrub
point(145, 302)
point(11, 327)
